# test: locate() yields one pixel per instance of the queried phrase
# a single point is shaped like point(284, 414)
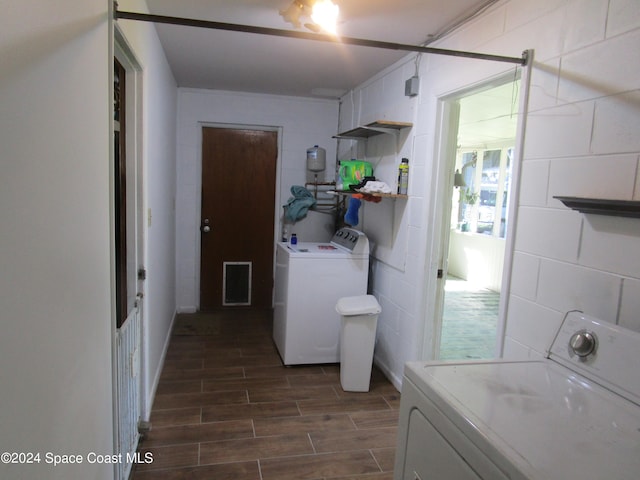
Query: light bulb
point(325, 14)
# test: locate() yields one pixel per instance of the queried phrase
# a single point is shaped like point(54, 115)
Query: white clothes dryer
point(574, 415)
point(310, 278)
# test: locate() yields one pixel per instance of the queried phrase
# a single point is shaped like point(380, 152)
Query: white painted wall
point(55, 253)
point(159, 120)
point(581, 140)
point(55, 211)
point(479, 259)
point(302, 122)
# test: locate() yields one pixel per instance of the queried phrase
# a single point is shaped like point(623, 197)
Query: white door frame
point(443, 171)
point(136, 188)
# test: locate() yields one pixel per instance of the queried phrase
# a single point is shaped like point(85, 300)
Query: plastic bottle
point(294, 239)
point(403, 177)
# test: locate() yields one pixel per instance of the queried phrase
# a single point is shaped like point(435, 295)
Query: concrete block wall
point(580, 140)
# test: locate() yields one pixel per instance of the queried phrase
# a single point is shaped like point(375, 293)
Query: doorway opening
point(475, 227)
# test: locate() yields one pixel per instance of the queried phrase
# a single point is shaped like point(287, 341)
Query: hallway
point(226, 408)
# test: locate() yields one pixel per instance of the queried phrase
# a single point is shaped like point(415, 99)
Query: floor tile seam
point(206, 392)
point(295, 456)
point(335, 391)
point(274, 457)
point(313, 446)
point(176, 443)
point(316, 393)
point(375, 460)
point(262, 438)
point(387, 402)
point(244, 418)
point(350, 451)
point(231, 462)
point(364, 428)
point(259, 469)
point(355, 426)
point(317, 455)
point(309, 432)
point(177, 425)
point(197, 375)
point(395, 434)
point(319, 415)
point(151, 470)
point(155, 410)
point(250, 460)
point(182, 467)
point(203, 425)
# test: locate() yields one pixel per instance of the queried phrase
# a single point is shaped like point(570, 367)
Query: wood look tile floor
point(226, 408)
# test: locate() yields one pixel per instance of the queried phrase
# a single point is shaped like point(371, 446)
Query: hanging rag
point(299, 204)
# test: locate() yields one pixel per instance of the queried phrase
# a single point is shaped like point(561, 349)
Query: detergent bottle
point(403, 177)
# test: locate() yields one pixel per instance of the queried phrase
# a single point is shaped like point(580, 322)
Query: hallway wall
point(55, 219)
point(55, 253)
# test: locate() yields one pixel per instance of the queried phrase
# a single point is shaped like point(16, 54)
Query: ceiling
point(226, 60)
point(488, 119)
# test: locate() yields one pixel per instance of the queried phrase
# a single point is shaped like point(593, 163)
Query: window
point(482, 199)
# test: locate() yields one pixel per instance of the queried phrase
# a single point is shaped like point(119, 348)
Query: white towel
point(375, 187)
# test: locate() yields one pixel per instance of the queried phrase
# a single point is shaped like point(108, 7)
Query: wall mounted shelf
point(379, 195)
point(600, 206)
point(374, 128)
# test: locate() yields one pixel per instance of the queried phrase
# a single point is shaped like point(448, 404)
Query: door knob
point(205, 228)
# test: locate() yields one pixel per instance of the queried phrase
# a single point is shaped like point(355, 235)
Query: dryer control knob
point(583, 343)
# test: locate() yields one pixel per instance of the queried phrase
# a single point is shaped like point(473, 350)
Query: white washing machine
point(310, 278)
point(572, 416)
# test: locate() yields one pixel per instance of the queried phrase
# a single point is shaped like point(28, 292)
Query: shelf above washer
point(374, 128)
point(373, 194)
point(600, 206)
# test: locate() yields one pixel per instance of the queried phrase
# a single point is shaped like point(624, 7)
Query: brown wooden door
point(238, 195)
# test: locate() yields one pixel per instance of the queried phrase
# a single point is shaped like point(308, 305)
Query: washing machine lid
point(318, 250)
point(538, 418)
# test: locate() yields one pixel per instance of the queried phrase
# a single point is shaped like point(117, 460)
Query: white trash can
point(357, 339)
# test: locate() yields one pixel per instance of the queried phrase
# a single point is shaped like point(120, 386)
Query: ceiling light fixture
point(322, 13)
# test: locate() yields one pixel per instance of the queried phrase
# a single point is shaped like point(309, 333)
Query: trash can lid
point(360, 305)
